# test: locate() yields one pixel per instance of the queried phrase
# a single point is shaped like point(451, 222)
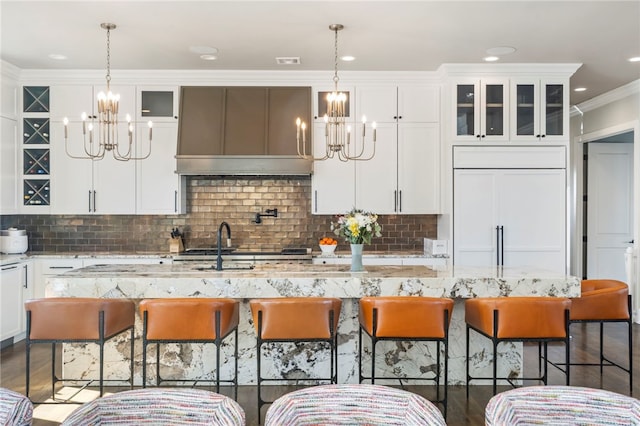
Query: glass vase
point(356, 258)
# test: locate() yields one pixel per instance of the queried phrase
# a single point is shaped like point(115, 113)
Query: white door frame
point(576, 205)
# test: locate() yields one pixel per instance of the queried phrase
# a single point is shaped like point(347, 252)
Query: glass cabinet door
point(553, 109)
point(465, 109)
point(494, 110)
point(526, 110)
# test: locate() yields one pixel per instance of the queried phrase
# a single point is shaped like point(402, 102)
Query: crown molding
point(224, 77)
point(9, 70)
point(608, 97)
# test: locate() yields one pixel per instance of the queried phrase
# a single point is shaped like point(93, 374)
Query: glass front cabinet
point(481, 110)
point(539, 110)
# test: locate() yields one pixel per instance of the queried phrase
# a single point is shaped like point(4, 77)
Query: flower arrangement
point(357, 227)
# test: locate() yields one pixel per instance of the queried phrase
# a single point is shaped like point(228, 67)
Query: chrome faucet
point(219, 243)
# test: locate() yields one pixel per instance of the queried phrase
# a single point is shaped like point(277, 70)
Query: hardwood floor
point(460, 411)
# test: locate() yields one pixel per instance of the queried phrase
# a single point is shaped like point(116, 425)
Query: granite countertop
point(206, 270)
point(11, 258)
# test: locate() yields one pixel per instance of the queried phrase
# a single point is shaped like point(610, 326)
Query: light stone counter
point(188, 280)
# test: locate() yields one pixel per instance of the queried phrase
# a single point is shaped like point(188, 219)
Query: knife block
point(175, 245)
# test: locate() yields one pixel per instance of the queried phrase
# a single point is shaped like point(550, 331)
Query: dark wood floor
point(460, 412)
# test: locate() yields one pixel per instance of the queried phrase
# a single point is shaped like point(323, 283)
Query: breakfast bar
point(138, 282)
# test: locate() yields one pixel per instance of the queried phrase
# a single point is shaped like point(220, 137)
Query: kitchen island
point(137, 282)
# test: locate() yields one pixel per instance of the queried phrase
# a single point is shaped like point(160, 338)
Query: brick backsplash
point(211, 200)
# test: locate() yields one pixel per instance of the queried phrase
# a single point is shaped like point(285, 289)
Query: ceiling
point(382, 35)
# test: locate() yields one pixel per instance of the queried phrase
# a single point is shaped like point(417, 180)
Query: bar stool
point(159, 406)
point(296, 319)
point(407, 318)
point(518, 319)
point(352, 404)
point(604, 301)
point(77, 320)
point(189, 320)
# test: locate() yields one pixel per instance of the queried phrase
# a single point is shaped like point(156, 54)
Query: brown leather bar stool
point(77, 320)
point(407, 318)
point(603, 301)
point(296, 319)
point(518, 319)
point(189, 320)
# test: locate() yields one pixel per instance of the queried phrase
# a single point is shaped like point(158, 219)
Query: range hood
point(241, 130)
point(242, 165)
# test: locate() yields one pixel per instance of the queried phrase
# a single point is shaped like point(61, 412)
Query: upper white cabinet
point(82, 185)
point(403, 176)
point(108, 186)
point(157, 103)
point(540, 110)
point(157, 184)
point(8, 166)
point(333, 183)
point(481, 109)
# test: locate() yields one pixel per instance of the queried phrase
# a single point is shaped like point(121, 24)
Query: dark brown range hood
point(241, 130)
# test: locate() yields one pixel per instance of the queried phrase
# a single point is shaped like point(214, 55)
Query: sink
point(208, 251)
point(238, 267)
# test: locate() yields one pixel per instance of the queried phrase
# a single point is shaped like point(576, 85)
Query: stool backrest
point(189, 318)
point(296, 317)
point(78, 317)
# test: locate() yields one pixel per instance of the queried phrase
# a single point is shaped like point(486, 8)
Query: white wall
point(615, 112)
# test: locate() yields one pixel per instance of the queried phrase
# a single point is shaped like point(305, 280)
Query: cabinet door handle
point(94, 201)
point(478, 136)
point(395, 201)
point(89, 201)
point(542, 136)
point(60, 267)
point(6, 268)
point(400, 200)
point(26, 276)
point(315, 199)
point(175, 202)
point(399, 117)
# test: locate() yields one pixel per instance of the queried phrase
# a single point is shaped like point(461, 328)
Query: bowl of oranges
point(328, 245)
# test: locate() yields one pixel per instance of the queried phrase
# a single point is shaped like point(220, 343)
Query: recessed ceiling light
point(203, 50)
point(348, 58)
point(635, 59)
point(500, 51)
point(288, 60)
point(579, 89)
point(57, 56)
point(490, 58)
point(208, 57)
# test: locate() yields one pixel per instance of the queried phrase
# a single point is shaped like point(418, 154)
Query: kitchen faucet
point(269, 213)
point(219, 243)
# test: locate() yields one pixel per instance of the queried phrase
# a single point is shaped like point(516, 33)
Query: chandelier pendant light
point(100, 132)
point(337, 131)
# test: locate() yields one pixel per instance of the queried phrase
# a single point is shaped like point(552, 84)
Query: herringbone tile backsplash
point(211, 200)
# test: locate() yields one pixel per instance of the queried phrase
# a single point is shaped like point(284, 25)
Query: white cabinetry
point(81, 186)
point(333, 181)
point(8, 143)
point(540, 110)
point(158, 187)
point(403, 176)
point(16, 287)
point(510, 207)
point(8, 166)
point(481, 109)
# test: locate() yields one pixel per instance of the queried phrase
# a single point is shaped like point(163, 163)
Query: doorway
point(608, 206)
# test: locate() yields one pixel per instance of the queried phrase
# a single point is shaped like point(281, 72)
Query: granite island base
point(137, 282)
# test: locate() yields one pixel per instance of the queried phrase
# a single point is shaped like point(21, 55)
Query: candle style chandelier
point(337, 131)
point(103, 136)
